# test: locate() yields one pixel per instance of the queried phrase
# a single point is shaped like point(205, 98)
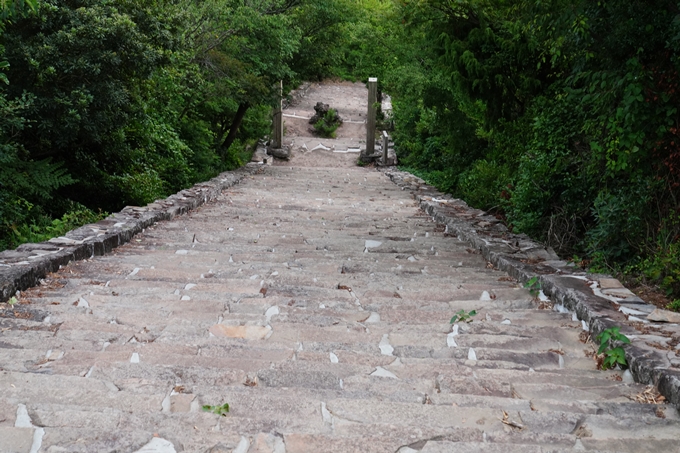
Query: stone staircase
point(316, 303)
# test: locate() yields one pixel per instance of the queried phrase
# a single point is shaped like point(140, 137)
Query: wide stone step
point(584, 444)
point(500, 382)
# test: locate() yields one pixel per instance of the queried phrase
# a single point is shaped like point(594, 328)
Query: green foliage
point(15, 8)
point(323, 36)
point(663, 266)
point(613, 356)
point(222, 410)
point(533, 285)
point(43, 227)
point(483, 183)
point(675, 305)
point(114, 102)
point(463, 316)
point(23, 182)
point(327, 125)
point(560, 116)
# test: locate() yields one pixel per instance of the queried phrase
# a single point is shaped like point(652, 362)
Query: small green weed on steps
point(612, 355)
point(222, 410)
point(534, 286)
point(463, 316)
point(674, 306)
point(13, 301)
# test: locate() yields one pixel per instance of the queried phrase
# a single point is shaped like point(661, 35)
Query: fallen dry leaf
point(649, 396)
point(506, 420)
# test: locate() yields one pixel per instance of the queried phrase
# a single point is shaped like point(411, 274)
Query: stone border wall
point(599, 301)
point(24, 267)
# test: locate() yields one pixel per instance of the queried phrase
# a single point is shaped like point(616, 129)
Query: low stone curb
point(599, 301)
point(29, 263)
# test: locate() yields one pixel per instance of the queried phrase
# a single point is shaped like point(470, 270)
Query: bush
point(327, 125)
point(42, 227)
point(482, 185)
point(662, 267)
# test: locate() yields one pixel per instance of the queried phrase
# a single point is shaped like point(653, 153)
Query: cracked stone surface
point(317, 341)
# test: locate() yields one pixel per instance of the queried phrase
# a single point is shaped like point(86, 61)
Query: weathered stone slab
point(245, 332)
point(664, 316)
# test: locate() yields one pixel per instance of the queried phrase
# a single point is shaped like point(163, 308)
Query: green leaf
point(219, 410)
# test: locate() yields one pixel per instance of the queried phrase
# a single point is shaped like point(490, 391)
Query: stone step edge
point(566, 285)
point(24, 267)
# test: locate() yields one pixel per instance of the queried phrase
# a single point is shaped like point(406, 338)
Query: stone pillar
point(370, 117)
point(277, 139)
point(385, 144)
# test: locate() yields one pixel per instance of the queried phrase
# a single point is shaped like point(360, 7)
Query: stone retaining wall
point(29, 263)
point(599, 301)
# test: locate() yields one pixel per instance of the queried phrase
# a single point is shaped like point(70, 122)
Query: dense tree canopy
point(114, 102)
point(559, 115)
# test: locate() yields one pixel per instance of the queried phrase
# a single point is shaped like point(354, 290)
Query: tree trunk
point(233, 129)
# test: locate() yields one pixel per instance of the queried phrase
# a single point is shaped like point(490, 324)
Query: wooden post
point(277, 139)
point(386, 143)
point(370, 117)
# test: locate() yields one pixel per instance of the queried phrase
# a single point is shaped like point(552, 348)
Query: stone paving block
point(475, 447)
point(647, 445)
point(16, 440)
point(396, 414)
point(78, 440)
point(566, 393)
point(306, 443)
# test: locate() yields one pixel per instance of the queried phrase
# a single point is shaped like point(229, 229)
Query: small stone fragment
point(375, 317)
point(450, 340)
point(660, 315)
point(385, 346)
point(267, 443)
point(23, 420)
point(158, 445)
point(242, 446)
point(610, 283)
point(382, 372)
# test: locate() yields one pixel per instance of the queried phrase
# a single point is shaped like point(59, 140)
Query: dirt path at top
point(351, 102)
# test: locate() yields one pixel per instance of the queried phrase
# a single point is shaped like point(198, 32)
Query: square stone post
point(370, 117)
point(277, 139)
point(386, 143)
